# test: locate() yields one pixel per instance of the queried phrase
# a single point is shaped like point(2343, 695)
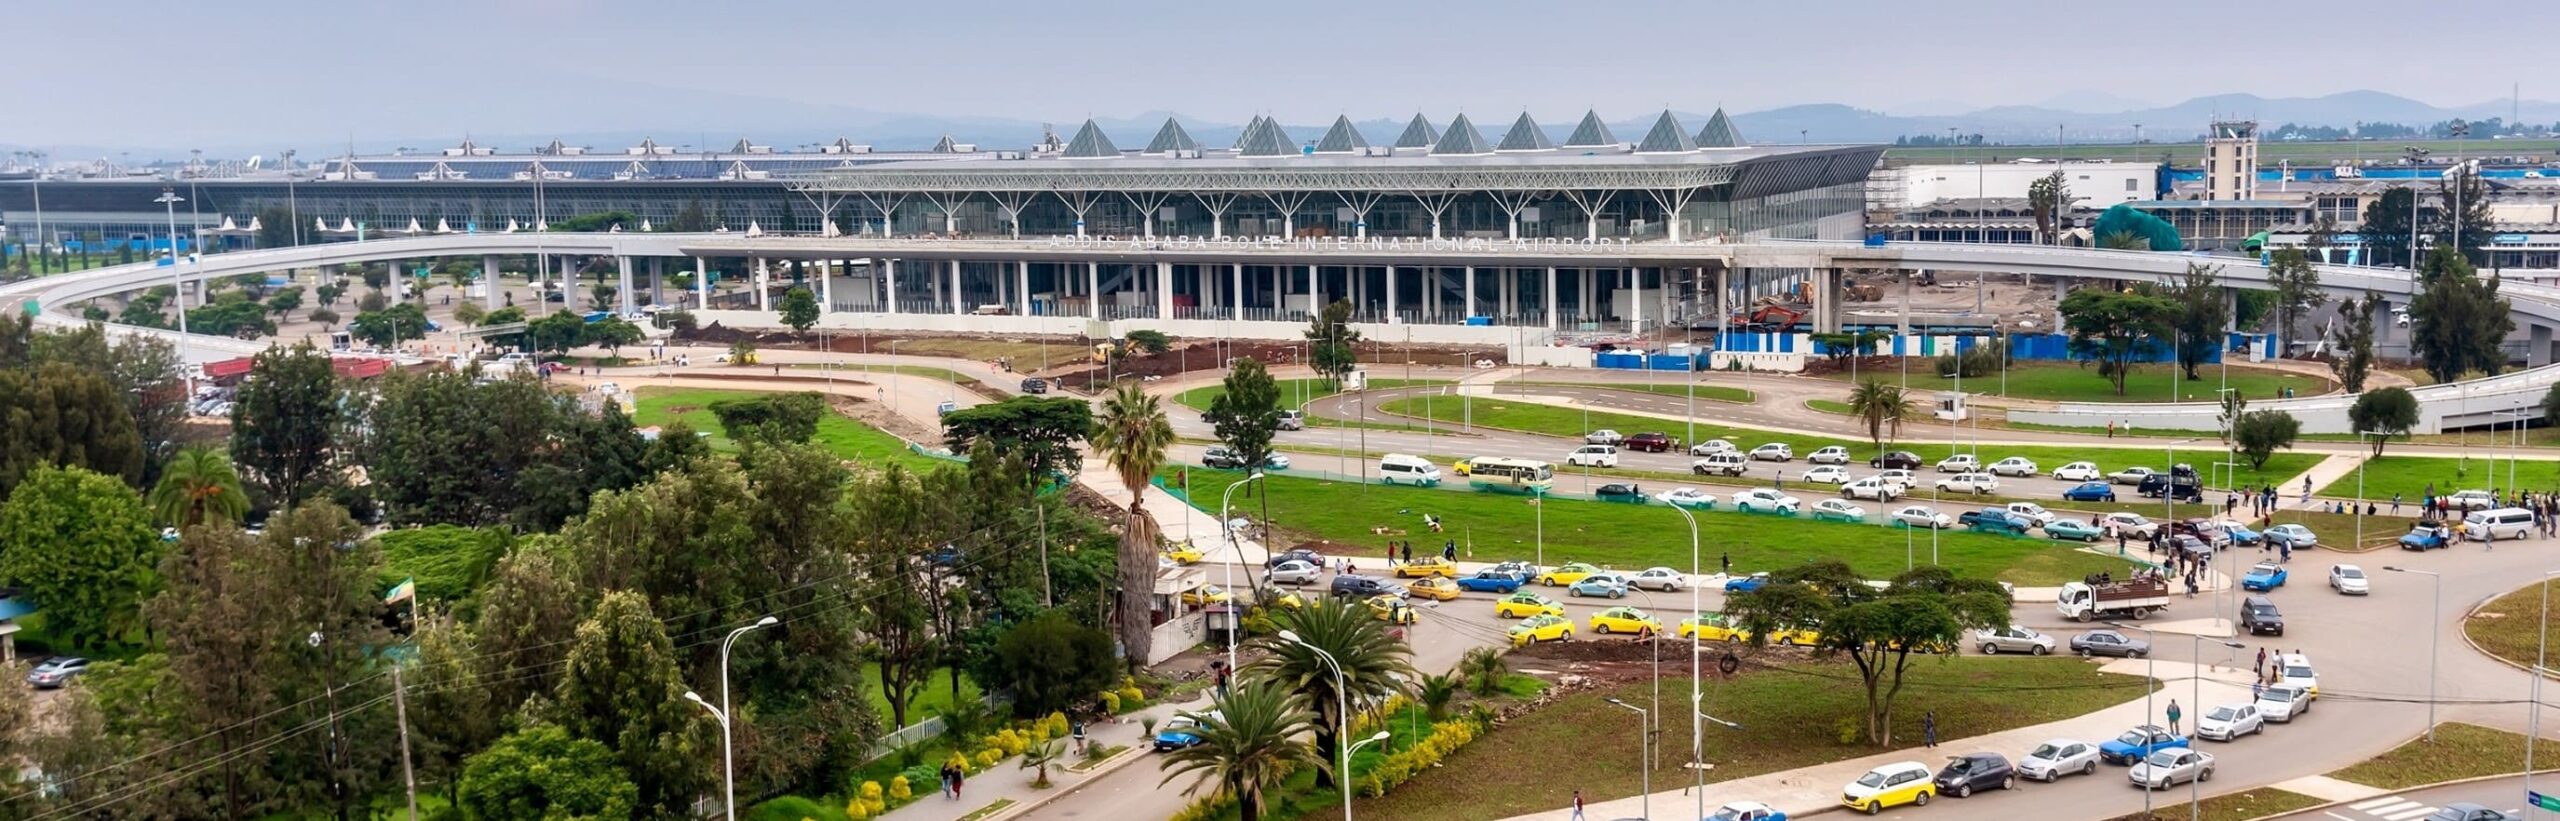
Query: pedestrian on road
point(2395, 504)
point(1929, 727)
point(2262, 661)
point(2119, 541)
point(2230, 503)
point(1078, 730)
point(2173, 716)
point(1391, 553)
point(2256, 688)
point(947, 778)
point(2306, 490)
point(960, 776)
point(1408, 552)
point(1782, 479)
point(1577, 805)
point(2488, 538)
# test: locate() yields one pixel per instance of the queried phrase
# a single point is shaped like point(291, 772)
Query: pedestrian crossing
point(2386, 808)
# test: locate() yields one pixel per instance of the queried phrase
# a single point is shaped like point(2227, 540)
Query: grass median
point(2459, 751)
point(1499, 526)
point(1682, 390)
point(2505, 626)
point(2409, 476)
point(2238, 806)
point(1797, 715)
point(842, 435)
point(1570, 423)
point(2070, 382)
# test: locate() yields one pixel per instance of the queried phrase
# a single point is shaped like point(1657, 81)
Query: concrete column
point(889, 276)
point(1093, 290)
point(1635, 277)
point(1164, 290)
point(1235, 277)
point(568, 282)
point(489, 281)
point(1391, 292)
point(1582, 307)
point(657, 280)
point(1551, 297)
point(1315, 290)
point(1724, 293)
point(1022, 287)
point(1510, 279)
point(701, 284)
point(622, 297)
point(826, 287)
point(1471, 292)
point(1431, 291)
point(763, 279)
point(2538, 352)
point(1903, 327)
point(958, 297)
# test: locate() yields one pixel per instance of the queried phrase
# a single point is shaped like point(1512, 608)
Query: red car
point(2204, 530)
point(1649, 442)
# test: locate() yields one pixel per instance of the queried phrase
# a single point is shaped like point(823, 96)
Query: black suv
point(1975, 771)
point(1360, 586)
point(1299, 554)
point(1035, 385)
point(1896, 460)
point(2258, 613)
point(2185, 487)
point(1619, 492)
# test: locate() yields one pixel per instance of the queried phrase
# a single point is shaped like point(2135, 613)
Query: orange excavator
point(1772, 317)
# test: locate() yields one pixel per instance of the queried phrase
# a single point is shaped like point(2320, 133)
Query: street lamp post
point(1226, 514)
point(1342, 718)
point(2435, 637)
point(728, 748)
point(2541, 651)
point(2195, 789)
point(2150, 667)
point(169, 200)
point(1697, 685)
point(1644, 746)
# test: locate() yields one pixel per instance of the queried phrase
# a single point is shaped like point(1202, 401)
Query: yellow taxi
point(1525, 604)
point(1391, 609)
point(1568, 574)
point(1426, 567)
point(1463, 467)
point(1713, 627)
point(1892, 785)
point(1623, 620)
point(1541, 628)
point(1289, 601)
point(1434, 588)
point(1184, 554)
point(1206, 594)
point(1796, 636)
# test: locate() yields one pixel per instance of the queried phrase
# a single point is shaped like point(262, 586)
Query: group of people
point(2262, 500)
point(1448, 551)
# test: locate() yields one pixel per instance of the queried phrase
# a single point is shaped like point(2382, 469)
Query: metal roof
point(1752, 171)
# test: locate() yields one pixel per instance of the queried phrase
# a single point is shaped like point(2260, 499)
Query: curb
point(2467, 613)
point(2411, 788)
point(1047, 797)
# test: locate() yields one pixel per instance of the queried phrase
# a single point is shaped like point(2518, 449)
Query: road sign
point(2548, 802)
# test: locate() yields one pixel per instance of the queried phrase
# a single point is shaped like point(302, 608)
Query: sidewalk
point(1812, 789)
point(1007, 781)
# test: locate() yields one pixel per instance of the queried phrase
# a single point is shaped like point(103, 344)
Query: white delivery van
point(2505, 522)
point(1407, 469)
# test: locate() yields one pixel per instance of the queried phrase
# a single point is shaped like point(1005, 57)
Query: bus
point(1511, 475)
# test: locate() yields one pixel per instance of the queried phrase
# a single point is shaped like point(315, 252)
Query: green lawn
point(928, 702)
point(2410, 475)
point(1293, 392)
point(1794, 715)
point(1830, 406)
point(2068, 382)
point(943, 374)
point(1493, 527)
point(843, 435)
point(2338, 530)
point(1718, 393)
point(2459, 751)
point(1553, 420)
point(2238, 806)
point(2505, 626)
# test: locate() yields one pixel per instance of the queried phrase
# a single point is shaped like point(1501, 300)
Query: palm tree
point(1372, 664)
point(1039, 757)
point(1484, 669)
point(1132, 432)
point(1248, 746)
point(2125, 241)
point(199, 486)
point(1880, 404)
point(1436, 691)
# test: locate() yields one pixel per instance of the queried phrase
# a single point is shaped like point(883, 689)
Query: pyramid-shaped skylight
point(1265, 138)
point(1171, 138)
point(1418, 134)
point(1461, 139)
point(1091, 143)
point(1667, 137)
point(1592, 133)
point(1525, 135)
point(1719, 132)
point(1342, 138)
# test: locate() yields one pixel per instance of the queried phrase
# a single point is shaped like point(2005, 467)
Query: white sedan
point(1899, 476)
point(1976, 483)
point(1761, 499)
point(1922, 516)
point(2230, 721)
point(2015, 466)
point(1838, 510)
point(1829, 455)
point(1773, 452)
point(1871, 488)
point(2078, 472)
point(1659, 578)
point(1687, 497)
point(2349, 580)
point(1959, 463)
point(1712, 447)
point(2057, 758)
point(2131, 476)
point(1828, 475)
point(1295, 571)
point(2131, 524)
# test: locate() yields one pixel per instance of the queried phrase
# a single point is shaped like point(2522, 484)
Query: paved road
point(2504, 794)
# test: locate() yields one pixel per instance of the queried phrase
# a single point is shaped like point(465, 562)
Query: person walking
point(960, 775)
point(1929, 728)
point(2395, 504)
point(1391, 553)
point(948, 793)
point(2173, 716)
point(2262, 661)
point(1408, 552)
point(1728, 564)
point(1449, 550)
point(2306, 490)
point(1577, 805)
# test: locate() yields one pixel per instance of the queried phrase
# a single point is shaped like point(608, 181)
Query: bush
point(1978, 361)
point(1051, 663)
point(1111, 702)
point(1131, 697)
point(1401, 766)
point(793, 808)
point(1058, 725)
point(962, 761)
point(1208, 807)
point(899, 789)
point(988, 757)
point(449, 561)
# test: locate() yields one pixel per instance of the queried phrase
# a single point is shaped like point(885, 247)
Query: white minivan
point(1407, 469)
point(2505, 523)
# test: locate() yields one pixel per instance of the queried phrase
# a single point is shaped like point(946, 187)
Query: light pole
point(2541, 651)
point(1644, 747)
point(169, 200)
point(1226, 513)
point(1697, 685)
point(728, 749)
point(2150, 667)
point(1345, 776)
point(2195, 687)
point(2435, 638)
point(1341, 718)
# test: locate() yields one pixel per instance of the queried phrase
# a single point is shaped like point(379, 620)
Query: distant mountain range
point(706, 120)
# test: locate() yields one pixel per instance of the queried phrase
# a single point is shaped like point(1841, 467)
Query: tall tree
point(1132, 433)
point(448, 448)
point(1043, 431)
point(2352, 358)
point(2323, 235)
point(2387, 227)
point(1877, 629)
point(285, 301)
point(332, 637)
point(389, 326)
point(1246, 416)
point(2297, 287)
point(286, 422)
point(56, 414)
point(200, 486)
point(2048, 196)
point(542, 772)
point(1332, 344)
point(453, 716)
point(1373, 665)
point(1248, 747)
point(558, 332)
point(799, 309)
point(621, 689)
point(2463, 219)
point(82, 546)
point(2203, 308)
point(2261, 433)
point(901, 521)
point(2457, 321)
point(223, 627)
point(2112, 328)
point(613, 332)
point(1880, 405)
point(2381, 414)
point(528, 611)
point(144, 369)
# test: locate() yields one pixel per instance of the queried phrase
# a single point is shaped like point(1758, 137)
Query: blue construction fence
point(2046, 347)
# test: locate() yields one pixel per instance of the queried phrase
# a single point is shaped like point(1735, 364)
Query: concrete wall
point(2094, 184)
point(1182, 633)
point(1485, 336)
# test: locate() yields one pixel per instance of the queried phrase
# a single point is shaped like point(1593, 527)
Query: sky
point(304, 72)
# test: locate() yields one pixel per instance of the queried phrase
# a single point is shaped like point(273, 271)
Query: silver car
point(2230, 721)
point(2059, 757)
point(2281, 703)
point(1296, 571)
point(2014, 639)
point(2171, 767)
point(1659, 578)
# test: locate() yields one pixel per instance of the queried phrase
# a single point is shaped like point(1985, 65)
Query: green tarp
point(2123, 219)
